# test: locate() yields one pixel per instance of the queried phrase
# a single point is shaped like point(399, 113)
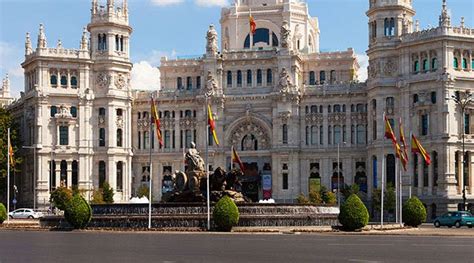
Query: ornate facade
point(298, 117)
point(5, 97)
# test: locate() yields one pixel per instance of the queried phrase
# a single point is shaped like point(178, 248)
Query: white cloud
point(363, 64)
point(145, 76)
point(10, 58)
point(166, 2)
point(209, 3)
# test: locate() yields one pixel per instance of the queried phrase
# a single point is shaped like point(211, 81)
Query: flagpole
point(383, 175)
point(207, 167)
point(401, 196)
point(397, 168)
point(151, 168)
point(8, 177)
point(411, 177)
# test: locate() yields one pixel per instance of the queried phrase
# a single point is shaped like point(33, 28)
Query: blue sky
point(177, 28)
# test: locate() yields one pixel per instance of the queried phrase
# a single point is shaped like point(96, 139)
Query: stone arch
point(261, 23)
point(249, 133)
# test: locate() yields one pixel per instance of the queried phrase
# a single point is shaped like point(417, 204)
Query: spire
point(125, 6)
point(444, 18)
point(84, 41)
point(110, 6)
point(41, 37)
point(462, 22)
point(95, 7)
point(417, 25)
point(28, 47)
point(60, 44)
point(6, 83)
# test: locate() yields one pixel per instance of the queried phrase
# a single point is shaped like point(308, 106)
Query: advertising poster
point(267, 186)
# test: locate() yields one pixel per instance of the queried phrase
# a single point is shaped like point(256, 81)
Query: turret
point(6, 85)
point(28, 47)
point(41, 38)
point(444, 18)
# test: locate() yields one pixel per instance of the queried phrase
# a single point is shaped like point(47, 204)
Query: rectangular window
point(285, 134)
point(285, 181)
point(329, 134)
point(210, 138)
point(139, 140)
point(181, 139)
point(173, 138)
point(314, 135)
point(198, 82)
point(467, 123)
point(119, 176)
point(374, 130)
point(167, 139)
point(321, 135)
point(307, 135)
point(189, 83)
point(188, 138)
point(63, 135)
point(424, 124)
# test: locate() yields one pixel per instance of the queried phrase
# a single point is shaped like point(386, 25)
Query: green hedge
point(61, 197)
point(225, 214)
point(414, 212)
point(353, 214)
point(78, 213)
point(3, 213)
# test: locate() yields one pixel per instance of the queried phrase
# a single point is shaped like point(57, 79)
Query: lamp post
point(463, 100)
point(338, 175)
point(35, 147)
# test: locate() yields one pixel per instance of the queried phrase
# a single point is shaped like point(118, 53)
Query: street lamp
point(35, 147)
point(338, 175)
point(463, 100)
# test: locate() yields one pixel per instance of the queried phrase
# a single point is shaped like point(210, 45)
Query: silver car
point(23, 213)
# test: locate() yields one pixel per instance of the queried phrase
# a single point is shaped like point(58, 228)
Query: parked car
point(457, 219)
point(25, 213)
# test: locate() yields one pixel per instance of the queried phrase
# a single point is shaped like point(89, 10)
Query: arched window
point(53, 112)
point(333, 76)
point(416, 66)
point(249, 78)
point(425, 65)
point(102, 137)
point(464, 63)
point(179, 83)
point(434, 64)
point(189, 83)
point(229, 78)
point(63, 81)
point(259, 77)
point(337, 134)
point(74, 82)
point(314, 135)
point(53, 80)
point(390, 102)
point(63, 174)
point(63, 135)
point(337, 108)
point(73, 112)
point(188, 113)
point(102, 174)
point(392, 27)
point(456, 63)
point(261, 38)
point(386, 27)
point(269, 77)
point(239, 78)
point(312, 78)
point(285, 134)
point(322, 77)
point(374, 171)
point(75, 174)
point(415, 98)
point(119, 138)
point(361, 178)
point(314, 109)
point(119, 178)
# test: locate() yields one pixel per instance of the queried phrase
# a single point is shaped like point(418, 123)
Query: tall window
point(73, 111)
point(321, 135)
point(390, 103)
point(424, 124)
point(434, 64)
point(433, 97)
point(467, 123)
point(249, 77)
point(329, 134)
point(270, 77)
point(53, 80)
point(434, 156)
point(53, 112)
point(337, 134)
point(456, 63)
point(179, 83)
point(63, 135)
point(425, 65)
point(416, 66)
point(102, 137)
point(146, 140)
point(188, 138)
point(285, 181)
point(119, 176)
point(307, 135)
point(239, 78)
point(102, 112)
point(312, 78)
point(198, 82)
point(167, 140)
point(464, 63)
point(314, 135)
point(63, 173)
point(139, 140)
point(322, 77)
point(425, 173)
point(415, 170)
point(102, 174)
point(74, 82)
point(229, 78)
point(63, 81)
point(119, 138)
point(259, 77)
point(189, 83)
point(285, 133)
point(75, 173)
point(361, 134)
point(332, 76)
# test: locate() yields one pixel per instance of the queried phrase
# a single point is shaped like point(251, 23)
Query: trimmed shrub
point(414, 212)
point(78, 213)
point(108, 194)
point(97, 198)
point(61, 197)
point(301, 199)
point(225, 214)
point(353, 214)
point(331, 198)
point(315, 198)
point(3, 213)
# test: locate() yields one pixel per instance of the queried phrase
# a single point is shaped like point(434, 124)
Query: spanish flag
point(236, 159)
point(11, 154)
point(253, 25)
point(389, 132)
point(416, 147)
point(404, 158)
point(156, 119)
point(212, 124)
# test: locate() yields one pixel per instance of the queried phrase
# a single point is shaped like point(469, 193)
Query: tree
point(388, 201)
point(108, 194)
point(6, 121)
point(354, 214)
point(414, 212)
point(61, 197)
point(225, 214)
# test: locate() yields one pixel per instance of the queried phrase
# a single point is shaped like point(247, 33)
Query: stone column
point(57, 173)
point(69, 174)
point(420, 175)
point(430, 179)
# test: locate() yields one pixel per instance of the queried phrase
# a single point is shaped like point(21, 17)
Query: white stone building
point(282, 103)
point(5, 97)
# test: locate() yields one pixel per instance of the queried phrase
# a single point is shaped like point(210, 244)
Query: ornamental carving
point(285, 116)
point(359, 118)
point(337, 117)
point(249, 135)
point(102, 80)
point(167, 123)
point(314, 118)
point(390, 67)
point(119, 122)
point(121, 81)
point(187, 123)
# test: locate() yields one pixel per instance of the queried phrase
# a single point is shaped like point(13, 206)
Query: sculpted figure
point(211, 85)
point(193, 159)
point(285, 35)
point(285, 81)
point(211, 37)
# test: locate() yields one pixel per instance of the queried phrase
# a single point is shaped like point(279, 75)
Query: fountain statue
point(191, 185)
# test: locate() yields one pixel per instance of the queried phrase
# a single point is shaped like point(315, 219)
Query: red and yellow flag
point(253, 25)
point(156, 119)
point(11, 153)
point(416, 147)
point(236, 159)
point(212, 124)
point(404, 158)
point(389, 131)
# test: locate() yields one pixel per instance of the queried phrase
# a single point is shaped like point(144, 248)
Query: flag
point(236, 159)
point(156, 119)
point(416, 147)
point(389, 132)
point(11, 153)
point(404, 145)
point(253, 25)
point(212, 124)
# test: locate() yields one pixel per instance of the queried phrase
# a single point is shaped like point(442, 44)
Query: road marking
point(359, 244)
point(363, 260)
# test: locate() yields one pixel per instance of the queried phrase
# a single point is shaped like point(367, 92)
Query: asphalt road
point(32, 246)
